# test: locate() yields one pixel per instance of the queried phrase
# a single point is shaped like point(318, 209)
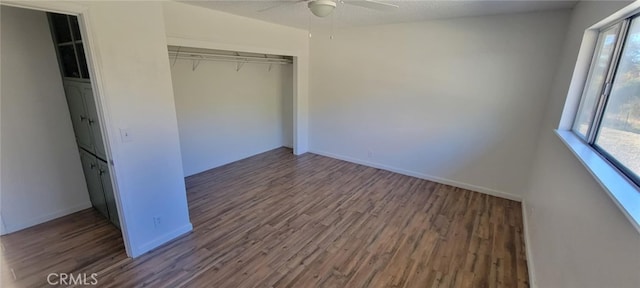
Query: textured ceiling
point(295, 13)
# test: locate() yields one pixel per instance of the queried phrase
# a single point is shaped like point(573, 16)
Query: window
point(608, 118)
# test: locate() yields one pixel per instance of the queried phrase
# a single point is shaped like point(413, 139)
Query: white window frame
point(624, 192)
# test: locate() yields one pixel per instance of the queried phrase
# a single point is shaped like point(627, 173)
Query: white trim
point(440, 180)
point(164, 239)
point(578, 79)
point(623, 13)
point(104, 114)
point(62, 7)
point(623, 193)
point(39, 220)
point(527, 245)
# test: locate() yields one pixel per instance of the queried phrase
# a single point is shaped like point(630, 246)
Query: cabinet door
point(94, 124)
point(94, 185)
point(105, 177)
point(79, 116)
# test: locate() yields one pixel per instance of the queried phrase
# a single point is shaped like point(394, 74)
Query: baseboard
point(39, 220)
point(527, 245)
point(137, 251)
point(471, 187)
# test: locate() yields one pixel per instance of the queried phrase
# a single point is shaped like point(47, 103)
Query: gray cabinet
point(79, 116)
point(94, 182)
point(84, 113)
point(92, 120)
point(84, 116)
point(96, 173)
point(105, 178)
point(65, 32)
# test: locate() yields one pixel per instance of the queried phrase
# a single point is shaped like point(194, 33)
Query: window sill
point(624, 193)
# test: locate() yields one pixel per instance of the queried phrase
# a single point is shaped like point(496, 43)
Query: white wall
point(41, 177)
point(457, 101)
point(226, 115)
point(134, 90)
point(578, 237)
point(135, 81)
point(193, 26)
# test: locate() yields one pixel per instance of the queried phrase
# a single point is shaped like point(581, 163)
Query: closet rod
point(228, 58)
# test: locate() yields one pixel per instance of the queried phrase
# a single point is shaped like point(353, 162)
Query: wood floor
point(277, 220)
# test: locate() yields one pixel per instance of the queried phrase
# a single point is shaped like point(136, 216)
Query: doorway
point(57, 192)
point(87, 127)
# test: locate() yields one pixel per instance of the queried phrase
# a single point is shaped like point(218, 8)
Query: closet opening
point(83, 111)
point(57, 185)
point(230, 105)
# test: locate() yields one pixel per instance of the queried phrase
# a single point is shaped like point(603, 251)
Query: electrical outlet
point(156, 222)
point(370, 154)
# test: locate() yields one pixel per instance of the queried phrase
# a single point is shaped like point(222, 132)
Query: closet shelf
point(196, 56)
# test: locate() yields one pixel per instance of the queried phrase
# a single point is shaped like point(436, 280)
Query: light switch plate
point(125, 134)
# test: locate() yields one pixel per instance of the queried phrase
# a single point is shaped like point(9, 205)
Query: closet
point(84, 114)
point(230, 105)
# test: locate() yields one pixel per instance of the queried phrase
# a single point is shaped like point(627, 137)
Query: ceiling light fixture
point(321, 8)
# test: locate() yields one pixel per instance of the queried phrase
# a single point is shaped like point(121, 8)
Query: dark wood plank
point(279, 220)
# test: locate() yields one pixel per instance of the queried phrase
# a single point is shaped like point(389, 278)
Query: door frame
point(95, 72)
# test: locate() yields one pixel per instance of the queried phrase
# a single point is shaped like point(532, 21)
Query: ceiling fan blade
point(371, 4)
point(280, 4)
